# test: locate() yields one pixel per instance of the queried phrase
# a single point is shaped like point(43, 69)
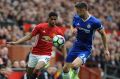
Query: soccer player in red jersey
point(41, 52)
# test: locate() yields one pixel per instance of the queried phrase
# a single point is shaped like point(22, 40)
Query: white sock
point(25, 76)
point(78, 70)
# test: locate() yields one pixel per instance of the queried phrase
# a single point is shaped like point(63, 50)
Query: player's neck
point(86, 16)
point(50, 25)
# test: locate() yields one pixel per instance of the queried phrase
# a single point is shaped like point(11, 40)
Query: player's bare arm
point(64, 51)
point(104, 39)
point(74, 30)
point(23, 39)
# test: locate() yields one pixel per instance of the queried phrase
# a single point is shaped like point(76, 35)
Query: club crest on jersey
point(88, 26)
point(85, 30)
point(46, 38)
point(78, 24)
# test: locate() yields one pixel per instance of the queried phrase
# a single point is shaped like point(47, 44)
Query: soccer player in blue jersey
point(85, 24)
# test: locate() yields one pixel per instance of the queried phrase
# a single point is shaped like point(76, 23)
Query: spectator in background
point(22, 64)
point(4, 53)
point(15, 11)
point(1, 63)
point(117, 59)
point(16, 64)
point(2, 75)
point(92, 60)
point(4, 71)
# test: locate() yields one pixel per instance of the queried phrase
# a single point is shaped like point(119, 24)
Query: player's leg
point(66, 69)
point(81, 59)
point(42, 61)
point(75, 68)
point(29, 72)
point(37, 69)
point(60, 66)
point(70, 57)
point(77, 62)
point(32, 61)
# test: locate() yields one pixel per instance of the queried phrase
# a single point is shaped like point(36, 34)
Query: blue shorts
point(73, 55)
point(75, 52)
point(78, 50)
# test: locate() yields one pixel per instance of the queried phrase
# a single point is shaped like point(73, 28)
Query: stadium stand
point(14, 24)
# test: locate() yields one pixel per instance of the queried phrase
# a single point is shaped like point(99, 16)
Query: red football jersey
point(43, 44)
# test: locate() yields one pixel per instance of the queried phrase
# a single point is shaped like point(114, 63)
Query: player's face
point(81, 12)
point(52, 20)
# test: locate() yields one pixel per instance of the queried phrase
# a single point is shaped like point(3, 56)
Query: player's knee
point(77, 63)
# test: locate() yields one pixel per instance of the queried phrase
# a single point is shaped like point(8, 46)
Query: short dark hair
point(81, 5)
point(53, 14)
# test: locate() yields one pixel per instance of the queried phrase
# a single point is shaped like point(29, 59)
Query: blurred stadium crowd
point(18, 17)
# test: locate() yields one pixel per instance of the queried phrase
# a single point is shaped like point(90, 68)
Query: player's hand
point(11, 43)
point(74, 31)
point(107, 53)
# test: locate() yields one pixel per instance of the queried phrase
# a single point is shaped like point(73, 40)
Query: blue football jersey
point(86, 30)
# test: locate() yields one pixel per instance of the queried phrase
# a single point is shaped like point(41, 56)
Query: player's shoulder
point(95, 19)
point(42, 25)
point(57, 28)
point(76, 16)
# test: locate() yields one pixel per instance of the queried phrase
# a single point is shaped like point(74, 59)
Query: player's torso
point(85, 31)
point(44, 39)
point(47, 34)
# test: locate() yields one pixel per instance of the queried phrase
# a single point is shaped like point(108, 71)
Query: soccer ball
point(58, 41)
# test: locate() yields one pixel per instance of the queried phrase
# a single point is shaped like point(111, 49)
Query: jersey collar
point(87, 18)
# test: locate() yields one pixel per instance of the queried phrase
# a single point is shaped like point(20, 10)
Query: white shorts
point(34, 59)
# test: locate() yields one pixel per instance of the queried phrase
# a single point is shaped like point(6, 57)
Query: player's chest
point(85, 27)
point(48, 33)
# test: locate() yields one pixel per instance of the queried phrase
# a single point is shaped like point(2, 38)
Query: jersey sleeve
point(75, 21)
point(60, 32)
point(99, 26)
point(35, 31)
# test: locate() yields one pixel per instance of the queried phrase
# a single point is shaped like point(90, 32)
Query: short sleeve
point(75, 21)
point(35, 31)
point(99, 26)
point(60, 32)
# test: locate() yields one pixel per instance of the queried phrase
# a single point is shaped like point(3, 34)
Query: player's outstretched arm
point(104, 39)
point(23, 39)
point(74, 30)
point(64, 50)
